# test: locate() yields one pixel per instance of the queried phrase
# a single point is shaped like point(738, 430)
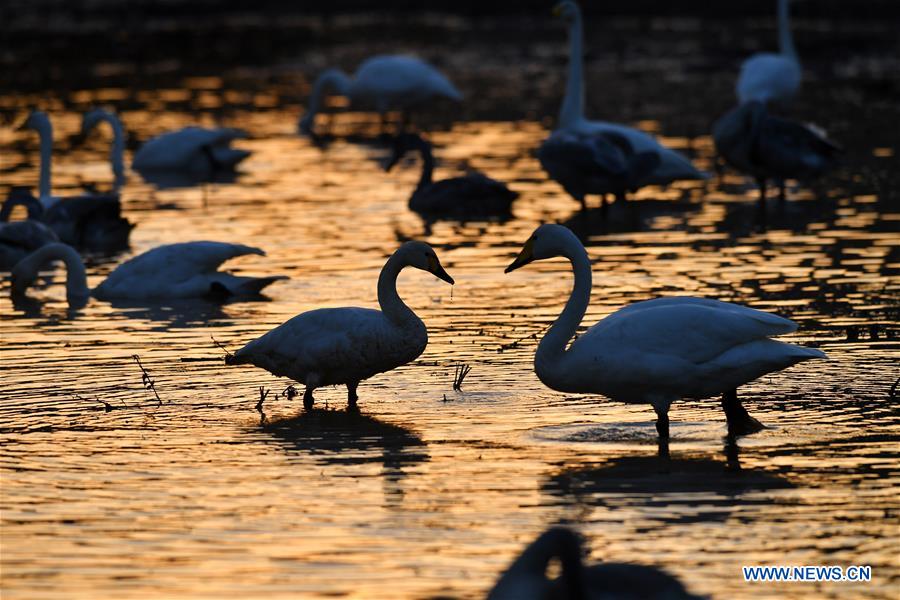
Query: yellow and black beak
point(557, 10)
point(435, 268)
point(524, 257)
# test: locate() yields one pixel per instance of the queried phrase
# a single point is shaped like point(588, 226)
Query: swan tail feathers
point(245, 286)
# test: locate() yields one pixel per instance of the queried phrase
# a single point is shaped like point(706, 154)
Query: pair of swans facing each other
point(526, 578)
point(173, 271)
point(653, 352)
point(383, 82)
point(468, 196)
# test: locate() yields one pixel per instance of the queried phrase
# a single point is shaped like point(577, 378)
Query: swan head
point(38, 120)
point(421, 256)
point(91, 119)
point(567, 10)
point(547, 241)
point(403, 143)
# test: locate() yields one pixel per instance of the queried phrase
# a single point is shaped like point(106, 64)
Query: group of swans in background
point(755, 142)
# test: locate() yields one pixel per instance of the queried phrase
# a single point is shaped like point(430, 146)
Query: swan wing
point(177, 149)
point(795, 149)
point(692, 329)
point(172, 271)
point(765, 77)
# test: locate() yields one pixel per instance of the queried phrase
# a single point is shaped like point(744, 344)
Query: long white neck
point(26, 271)
point(553, 346)
point(331, 79)
point(117, 152)
point(572, 109)
point(785, 39)
point(388, 299)
point(41, 123)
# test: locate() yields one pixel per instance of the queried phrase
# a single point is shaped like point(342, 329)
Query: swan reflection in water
point(348, 437)
point(669, 495)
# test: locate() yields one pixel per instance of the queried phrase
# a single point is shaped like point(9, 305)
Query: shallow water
point(431, 492)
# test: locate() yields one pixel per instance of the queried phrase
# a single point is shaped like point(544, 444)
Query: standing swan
point(187, 270)
point(384, 82)
point(672, 165)
point(767, 77)
point(343, 346)
point(90, 221)
point(526, 578)
point(657, 351)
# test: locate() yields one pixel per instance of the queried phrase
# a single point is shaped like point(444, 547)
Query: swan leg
point(782, 194)
point(351, 395)
point(662, 429)
point(308, 399)
point(739, 420)
point(761, 182)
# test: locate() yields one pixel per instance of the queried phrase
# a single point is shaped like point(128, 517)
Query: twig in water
point(222, 347)
point(894, 389)
point(146, 380)
point(462, 370)
point(263, 394)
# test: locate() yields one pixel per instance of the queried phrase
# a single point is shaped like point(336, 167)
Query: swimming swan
point(526, 578)
point(197, 151)
point(768, 147)
point(657, 351)
point(343, 346)
point(93, 118)
point(89, 221)
point(384, 82)
point(767, 76)
point(471, 195)
point(602, 163)
point(20, 238)
point(672, 165)
point(186, 270)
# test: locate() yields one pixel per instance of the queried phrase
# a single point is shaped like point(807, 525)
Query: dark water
point(430, 491)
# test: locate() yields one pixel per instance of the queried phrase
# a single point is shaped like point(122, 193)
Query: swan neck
point(35, 209)
point(785, 39)
point(553, 345)
point(45, 132)
point(573, 104)
point(427, 164)
point(117, 152)
point(331, 79)
point(26, 271)
point(388, 299)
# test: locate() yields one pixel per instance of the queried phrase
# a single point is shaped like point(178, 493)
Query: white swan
point(343, 346)
point(526, 578)
point(197, 151)
point(117, 150)
point(767, 147)
point(672, 165)
point(385, 82)
point(767, 77)
point(657, 351)
point(186, 270)
point(91, 221)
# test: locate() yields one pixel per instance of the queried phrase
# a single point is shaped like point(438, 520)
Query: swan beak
point(557, 10)
point(524, 257)
point(435, 268)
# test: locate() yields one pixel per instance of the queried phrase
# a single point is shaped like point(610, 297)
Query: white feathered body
point(399, 82)
point(672, 348)
point(186, 270)
point(332, 346)
point(768, 77)
point(672, 165)
point(194, 149)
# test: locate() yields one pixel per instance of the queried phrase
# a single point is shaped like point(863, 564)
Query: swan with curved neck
point(344, 346)
point(470, 195)
point(768, 77)
point(672, 166)
point(117, 151)
point(769, 147)
point(657, 351)
point(526, 578)
point(186, 270)
point(384, 82)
